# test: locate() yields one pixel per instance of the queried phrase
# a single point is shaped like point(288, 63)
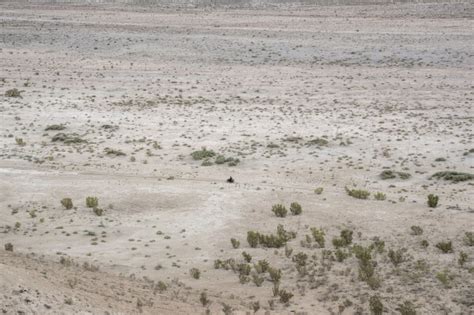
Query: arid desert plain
point(348, 131)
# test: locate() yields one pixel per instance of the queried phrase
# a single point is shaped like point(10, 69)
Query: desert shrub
point(407, 308)
point(453, 176)
point(235, 243)
point(203, 299)
point(380, 196)
point(358, 193)
point(445, 247)
point(344, 240)
point(389, 174)
point(469, 238)
point(244, 269)
point(220, 159)
point(195, 273)
point(55, 127)
point(261, 266)
point(202, 154)
point(378, 245)
point(341, 255)
point(67, 203)
point(318, 142)
point(13, 93)
point(258, 280)
point(275, 274)
point(285, 296)
point(366, 266)
point(296, 208)
point(255, 306)
point(253, 238)
point(279, 210)
point(432, 201)
point(416, 230)
point(98, 211)
point(424, 243)
point(288, 251)
point(300, 259)
point(462, 258)
point(226, 309)
point(115, 152)
point(445, 278)
point(318, 235)
point(9, 247)
point(375, 305)
point(207, 162)
point(396, 257)
point(67, 138)
point(247, 257)
point(319, 190)
point(92, 202)
point(20, 142)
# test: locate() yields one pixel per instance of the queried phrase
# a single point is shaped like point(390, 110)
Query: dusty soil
point(305, 98)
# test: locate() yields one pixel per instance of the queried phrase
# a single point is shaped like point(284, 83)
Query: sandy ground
point(386, 87)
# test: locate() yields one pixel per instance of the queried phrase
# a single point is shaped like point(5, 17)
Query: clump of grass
point(258, 280)
point(261, 266)
point(358, 193)
point(445, 247)
point(432, 201)
point(203, 299)
point(202, 154)
point(318, 142)
point(67, 138)
point(463, 257)
point(416, 230)
point(453, 176)
point(92, 202)
point(445, 278)
point(375, 305)
point(341, 254)
point(67, 203)
point(295, 208)
point(247, 257)
point(9, 247)
point(279, 210)
point(275, 274)
point(253, 238)
point(380, 196)
point(13, 93)
point(235, 243)
point(195, 273)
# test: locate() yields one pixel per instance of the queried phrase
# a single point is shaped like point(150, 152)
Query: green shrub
point(424, 243)
point(235, 243)
point(195, 273)
point(296, 208)
point(375, 305)
point(318, 235)
point(341, 255)
point(92, 202)
point(300, 259)
point(358, 193)
point(258, 280)
point(55, 127)
point(344, 240)
point(279, 210)
point(115, 152)
point(20, 142)
point(432, 201)
point(262, 266)
point(319, 190)
point(67, 203)
point(445, 247)
point(202, 154)
point(445, 278)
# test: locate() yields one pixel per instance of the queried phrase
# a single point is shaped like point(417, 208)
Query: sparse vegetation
point(455, 177)
point(358, 193)
point(279, 210)
point(296, 208)
point(432, 201)
point(445, 247)
point(92, 202)
point(195, 273)
point(13, 93)
point(67, 203)
point(235, 243)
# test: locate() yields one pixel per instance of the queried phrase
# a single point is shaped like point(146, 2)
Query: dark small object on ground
point(230, 180)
